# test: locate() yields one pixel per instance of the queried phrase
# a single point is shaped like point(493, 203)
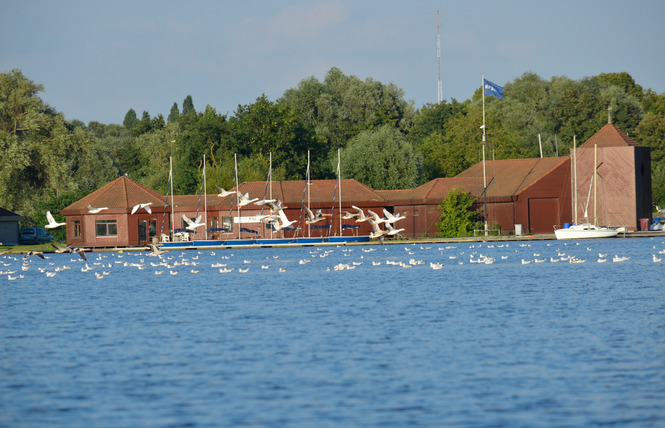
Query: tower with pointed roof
point(623, 194)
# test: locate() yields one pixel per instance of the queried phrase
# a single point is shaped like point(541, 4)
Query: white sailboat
point(587, 229)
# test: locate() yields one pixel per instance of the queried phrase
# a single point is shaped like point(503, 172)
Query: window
point(77, 228)
point(214, 222)
point(106, 227)
point(227, 223)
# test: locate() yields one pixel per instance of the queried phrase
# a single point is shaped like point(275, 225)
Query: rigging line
point(302, 208)
point(265, 193)
point(199, 204)
point(332, 218)
point(166, 204)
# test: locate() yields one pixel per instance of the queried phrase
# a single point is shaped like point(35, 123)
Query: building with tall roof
point(623, 185)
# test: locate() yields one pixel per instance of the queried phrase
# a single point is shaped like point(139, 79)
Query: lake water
point(546, 343)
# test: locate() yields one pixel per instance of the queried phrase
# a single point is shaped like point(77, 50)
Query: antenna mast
point(438, 57)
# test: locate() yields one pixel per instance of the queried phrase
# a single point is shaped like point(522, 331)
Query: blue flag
point(492, 89)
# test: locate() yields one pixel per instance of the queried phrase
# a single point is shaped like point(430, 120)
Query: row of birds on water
point(177, 260)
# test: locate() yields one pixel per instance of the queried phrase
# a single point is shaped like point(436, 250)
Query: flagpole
point(482, 90)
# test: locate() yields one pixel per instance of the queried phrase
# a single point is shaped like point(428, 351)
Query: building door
point(147, 229)
point(543, 214)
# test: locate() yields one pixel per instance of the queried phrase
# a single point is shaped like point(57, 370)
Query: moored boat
point(585, 230)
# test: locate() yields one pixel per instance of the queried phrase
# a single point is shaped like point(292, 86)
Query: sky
point(97, 59)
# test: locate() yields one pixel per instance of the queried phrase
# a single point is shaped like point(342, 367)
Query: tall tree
point(188, 106)
point(130, 121)
point(266, 127)
point(174, 114)
point(341, 107)
point(381, 159)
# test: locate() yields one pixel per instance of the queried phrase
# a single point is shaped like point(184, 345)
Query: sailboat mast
point(205, 200)
point(235, 161)
point(339, 185)
point(575, 178)
point(309, 231)
point(172, 203)
point(595, 184)
point(270, 186)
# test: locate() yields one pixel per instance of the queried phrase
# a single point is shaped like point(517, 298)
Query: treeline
point(385, 142)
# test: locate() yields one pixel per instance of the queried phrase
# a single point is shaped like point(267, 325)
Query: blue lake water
point(546, 343)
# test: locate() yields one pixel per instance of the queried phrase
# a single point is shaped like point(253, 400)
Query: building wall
point(9, 232)
point(623, 192)
point(501, 214)
point(643, 194)
point(546, 203)
point(89, 231)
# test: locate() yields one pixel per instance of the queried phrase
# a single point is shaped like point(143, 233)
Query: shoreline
point(469, 239)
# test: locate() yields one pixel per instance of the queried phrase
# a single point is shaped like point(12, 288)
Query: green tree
point(651, 133)
point(341, 107)
point(174, 115)
point(266, 127)
point(188, 106)
point(203, 133)
point(458, 219)
point(380, 159)
point(131, 120)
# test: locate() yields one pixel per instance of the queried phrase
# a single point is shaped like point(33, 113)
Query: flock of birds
point(326, 258)
point(278, 220)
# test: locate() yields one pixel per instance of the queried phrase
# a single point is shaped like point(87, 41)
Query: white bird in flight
point(375, 217)
point(392, 218)
point(279, 221)
point(391, 231)
point(244, 199)
point(315, 218)
point(145, 205)
point(224, 193)
point(192, 225)
point(93, 210)
point(376, 231)
point(52, 224)
point(361, 215)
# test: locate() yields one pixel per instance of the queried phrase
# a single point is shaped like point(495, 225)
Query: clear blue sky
point(98, 59)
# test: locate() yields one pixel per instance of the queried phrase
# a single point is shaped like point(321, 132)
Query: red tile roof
point(509, 177)
point(122, 193)
point(292, 193)
point(436, 190)
point(609, 136)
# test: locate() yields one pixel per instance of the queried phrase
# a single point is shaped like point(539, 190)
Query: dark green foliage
point(174, 114)
point(381, 159)
point(131, 121)
point(188, 106)
point(55, 203)
point(457, 217)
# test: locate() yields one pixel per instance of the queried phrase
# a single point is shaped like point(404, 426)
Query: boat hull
point(585, 232)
